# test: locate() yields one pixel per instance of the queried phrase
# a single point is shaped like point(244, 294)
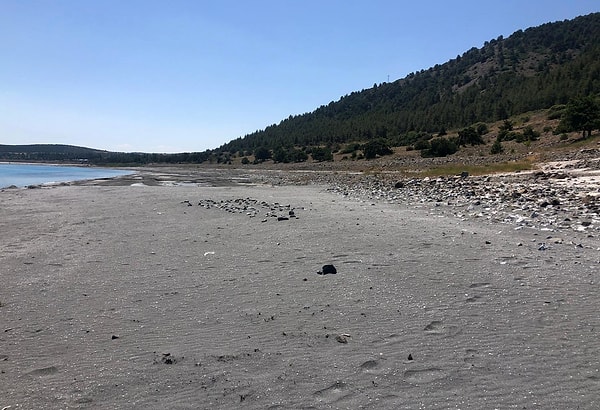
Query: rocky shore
point(560, 196)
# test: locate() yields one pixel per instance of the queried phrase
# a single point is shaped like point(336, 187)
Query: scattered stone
point(327, 270)
point(249, 207)
point(342, 338)
point(167, 358)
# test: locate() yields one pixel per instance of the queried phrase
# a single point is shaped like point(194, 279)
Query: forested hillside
point(532, 69)
point(72, 153)
point(555, 66)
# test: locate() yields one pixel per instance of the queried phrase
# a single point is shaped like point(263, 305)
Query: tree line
point(532, 69)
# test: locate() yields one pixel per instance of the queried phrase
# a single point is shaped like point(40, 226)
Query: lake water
point(22, 175)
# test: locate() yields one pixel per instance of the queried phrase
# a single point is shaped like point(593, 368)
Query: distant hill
point(532, 69)
point(49, 148)
point(73, 154)
point(48, 152)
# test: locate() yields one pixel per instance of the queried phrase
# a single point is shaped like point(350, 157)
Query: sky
point(190, 75)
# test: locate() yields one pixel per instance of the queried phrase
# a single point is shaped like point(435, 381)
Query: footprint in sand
point(369, 366)
point(479, 285)
point(333, 393)
point(471, 357)
point(428, 375)
point(474, 299)
point(475, 359)
point(390, 340)
point(45, 371)
point(434, 326)
point(437, 327)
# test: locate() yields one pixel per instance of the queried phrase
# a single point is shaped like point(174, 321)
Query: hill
point(533, 69)
point(48, 152)
point(72, 153)
point(479, 98)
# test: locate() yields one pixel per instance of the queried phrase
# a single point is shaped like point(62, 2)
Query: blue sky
point(184, 75)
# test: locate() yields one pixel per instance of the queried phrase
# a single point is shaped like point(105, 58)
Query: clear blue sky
point(190, 75)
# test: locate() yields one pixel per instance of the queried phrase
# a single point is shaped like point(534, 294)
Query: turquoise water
point(22, 175)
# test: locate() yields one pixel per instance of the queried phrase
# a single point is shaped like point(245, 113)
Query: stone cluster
point(540, 200)
point(250, 207)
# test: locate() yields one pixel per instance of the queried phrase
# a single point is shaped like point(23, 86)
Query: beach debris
point(249, 207)
point(166, 358)
point(327, 270)
point(342, 338)
point(208, 253)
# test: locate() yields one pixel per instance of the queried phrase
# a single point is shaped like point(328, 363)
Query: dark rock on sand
point(327, 270)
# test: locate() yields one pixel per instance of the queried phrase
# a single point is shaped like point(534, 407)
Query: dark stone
point(399, 184)
point(410, 357)
point(328, 270)
point(341, 339)
point(283, 218)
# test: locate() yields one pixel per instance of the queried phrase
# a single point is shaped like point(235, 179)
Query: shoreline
point(558, 196)
point(18, 180)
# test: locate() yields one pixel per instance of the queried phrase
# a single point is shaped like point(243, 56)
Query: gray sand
point(127, 297)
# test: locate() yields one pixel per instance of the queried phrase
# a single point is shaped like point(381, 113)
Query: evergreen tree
point(581, 114)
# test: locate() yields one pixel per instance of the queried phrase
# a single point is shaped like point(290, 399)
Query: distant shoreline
point(27, 174)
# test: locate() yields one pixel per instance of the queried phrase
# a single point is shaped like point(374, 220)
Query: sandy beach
point(204, 294)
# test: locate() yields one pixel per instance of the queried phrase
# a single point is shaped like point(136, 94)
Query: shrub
point(496, 147)
point(321, 154)
point(482, 129)
point(469, 136)
point(556, 111)
point(376, 147)
point(350, 148)
point(529, 134)
point(440, 147)
point(422, 144)
point(262, 154)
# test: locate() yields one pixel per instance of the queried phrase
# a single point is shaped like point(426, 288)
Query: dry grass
point(456, 169)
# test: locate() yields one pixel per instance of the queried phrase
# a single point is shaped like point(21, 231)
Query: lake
point(22, 175)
